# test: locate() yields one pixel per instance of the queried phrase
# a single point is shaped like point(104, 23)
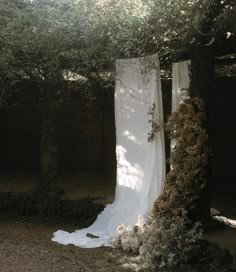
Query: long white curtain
point(180, 85)
point(140, 164)
point(180, 82)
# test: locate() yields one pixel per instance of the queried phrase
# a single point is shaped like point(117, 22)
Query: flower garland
point(188, 158)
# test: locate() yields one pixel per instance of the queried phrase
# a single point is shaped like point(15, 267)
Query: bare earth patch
point(27, 247)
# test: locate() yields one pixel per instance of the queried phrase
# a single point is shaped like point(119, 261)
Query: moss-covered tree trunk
point(202, 75)
point(48, 145)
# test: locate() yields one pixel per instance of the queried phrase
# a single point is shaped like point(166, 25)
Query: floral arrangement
point(176, 244)
point(188, 158)
point(131, 238)
point(169, 240)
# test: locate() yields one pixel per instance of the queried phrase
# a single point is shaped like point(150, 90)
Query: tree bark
point(48, 145)
point(202, 75)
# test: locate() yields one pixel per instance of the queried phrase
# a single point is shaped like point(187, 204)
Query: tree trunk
point(202, 75)
point(48, 145)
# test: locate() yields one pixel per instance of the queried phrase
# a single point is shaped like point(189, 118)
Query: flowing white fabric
point(140, 164)
point(180, 83)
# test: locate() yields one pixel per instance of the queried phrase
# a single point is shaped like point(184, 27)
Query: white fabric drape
point(180, 82)
point(140, 164)
point(180, 85)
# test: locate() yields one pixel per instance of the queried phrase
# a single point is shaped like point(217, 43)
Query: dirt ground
point(27, 247)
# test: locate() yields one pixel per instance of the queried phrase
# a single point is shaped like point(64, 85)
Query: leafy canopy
point(46, 39)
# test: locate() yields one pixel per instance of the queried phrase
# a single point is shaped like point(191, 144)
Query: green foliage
point(175, 244)
point(48, 206)
point(47, 39)
point(32, 36)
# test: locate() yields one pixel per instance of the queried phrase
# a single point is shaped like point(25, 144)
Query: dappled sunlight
point(140, 164)
point(130, 176)
point(130, 136)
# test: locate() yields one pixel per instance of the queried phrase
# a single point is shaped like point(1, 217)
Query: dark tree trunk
point(48, 145)
point(202, 75)
point(202, 71)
